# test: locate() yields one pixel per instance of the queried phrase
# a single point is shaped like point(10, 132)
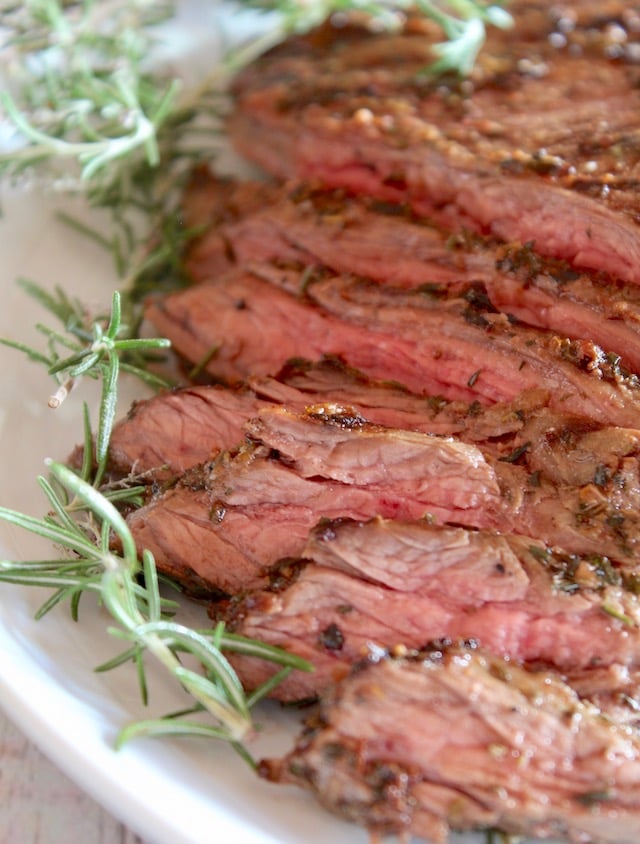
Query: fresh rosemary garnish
point(465, 32)
point(84, 522)
point(74, 87)
point(90, 348)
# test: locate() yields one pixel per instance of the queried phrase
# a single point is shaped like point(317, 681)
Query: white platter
point(183, 791)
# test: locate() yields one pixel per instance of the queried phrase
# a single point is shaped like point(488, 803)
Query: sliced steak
point(389, 244)
point(163, 436)
point(393, 405)
point(225, 522)
point(540, 145)
point(453, 738)
point(386, 583)
point(175, 430)
point(244, 325)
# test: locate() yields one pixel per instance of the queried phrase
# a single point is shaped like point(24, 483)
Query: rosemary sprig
point(97, 348)
point(465, 32)
point(83, 521)
point(74, 87)
point(463, 22)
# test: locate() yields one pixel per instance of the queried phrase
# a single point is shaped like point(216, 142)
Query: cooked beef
point(390, 404)
point(175, 430)
point(540, 145)
point(244, 325)
point(163, 436)
point(385, 583)
point(211, 206)
point(490, 745)
point(229, 520)
point(390, 245)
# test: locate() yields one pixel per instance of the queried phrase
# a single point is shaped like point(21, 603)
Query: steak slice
point(244, 325)
point(222, 524)
point(386, 583)
point(453, 738)
point(541, 144)
point(393, 405)
point(388, 244)
point(163, 436)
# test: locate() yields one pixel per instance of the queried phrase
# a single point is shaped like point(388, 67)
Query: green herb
point(86, 348)
point(516, 454)
point(614, 612)
point(465, 32)
point(78, 109)
point(497, 836)
point(83, 521)
point(74, 85)
point(473, 378)
point(463, 23)
point(593, 798)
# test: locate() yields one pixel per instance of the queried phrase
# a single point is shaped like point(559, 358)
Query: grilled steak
point(391, 404)
point(388, 244)
point(244, 325)
point(490, 745)
point(387, 583)
point(175, 430)
point(163, 436)
point(542, 145)
point(223, 523)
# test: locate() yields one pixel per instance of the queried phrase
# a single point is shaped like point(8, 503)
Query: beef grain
point(228, 521)
point(162, 437)
point(243, 325)
point(171, 432)
point(389, 244)
point(540, 146)
point(381, 584)
point(490, 746)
